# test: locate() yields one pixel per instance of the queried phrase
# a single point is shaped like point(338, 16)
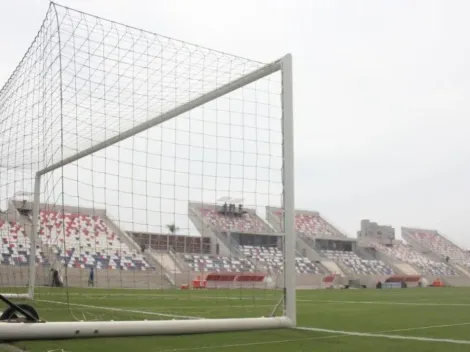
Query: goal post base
point(72, 330)
point(16, 295)
point(28, 312)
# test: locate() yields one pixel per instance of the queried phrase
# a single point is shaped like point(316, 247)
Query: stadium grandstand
point(422, 263)
point(436, 243)
point(73, 240)
point(229, 239)
point(321, 242)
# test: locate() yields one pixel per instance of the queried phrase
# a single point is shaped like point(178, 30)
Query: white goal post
point(77, 329)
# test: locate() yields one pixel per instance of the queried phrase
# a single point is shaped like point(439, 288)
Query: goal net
point(135, 174)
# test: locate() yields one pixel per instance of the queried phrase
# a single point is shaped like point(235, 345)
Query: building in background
point(384, 234)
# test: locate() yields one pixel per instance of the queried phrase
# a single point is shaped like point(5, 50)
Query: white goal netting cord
point(85, 80)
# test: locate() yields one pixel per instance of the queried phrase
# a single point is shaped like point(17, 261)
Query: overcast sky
point(381, 122)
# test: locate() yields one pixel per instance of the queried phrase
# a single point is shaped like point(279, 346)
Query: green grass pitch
point(439, 313)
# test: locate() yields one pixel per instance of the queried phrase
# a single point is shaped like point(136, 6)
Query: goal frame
point(57, 330)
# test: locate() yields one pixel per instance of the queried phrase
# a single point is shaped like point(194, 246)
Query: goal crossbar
point(203, 99)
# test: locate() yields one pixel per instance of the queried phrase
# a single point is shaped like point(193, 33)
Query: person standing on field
point(91, 278)
point(56, 281)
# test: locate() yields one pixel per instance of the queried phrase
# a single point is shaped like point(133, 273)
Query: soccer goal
point(135, 174)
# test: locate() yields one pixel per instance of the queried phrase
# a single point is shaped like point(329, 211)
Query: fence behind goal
point(129, 160)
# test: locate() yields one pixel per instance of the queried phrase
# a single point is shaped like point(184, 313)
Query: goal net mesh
point(167, 223)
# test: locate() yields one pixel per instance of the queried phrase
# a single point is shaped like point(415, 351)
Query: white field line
point(195, 297)
point(9, 348)
point(179, 293)
point(427, 327)
point(248, 344)
point(405, 329)
point(427, 304)
point(156, 296)
point(182, 298)
point(121, 310)
point(384, 336)
point(191, 308)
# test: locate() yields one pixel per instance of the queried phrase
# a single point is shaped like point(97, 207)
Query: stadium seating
point(313, 225)
point(407, 254)
point(436, 243)
point(247, 223)
point(272, 259)
point(179, 243)
point(88, 242)
point(357, 265)
point(16, 246)
point(268, 257)
point(211, 263)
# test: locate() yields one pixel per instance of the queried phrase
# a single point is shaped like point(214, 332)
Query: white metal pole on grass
point(288, 196)
point(87, 329)
point(34, 233)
